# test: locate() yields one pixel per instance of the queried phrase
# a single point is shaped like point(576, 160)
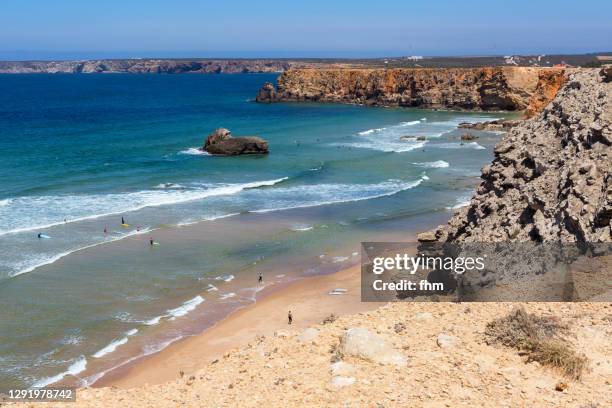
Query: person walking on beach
point(260, 280)
point(289, 317)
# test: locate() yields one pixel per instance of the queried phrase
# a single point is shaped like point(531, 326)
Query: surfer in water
point(122, 221)
point(151, 242)
point(39, 235)
point(105, 229)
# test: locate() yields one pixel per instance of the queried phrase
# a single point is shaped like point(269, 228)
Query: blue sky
point(292, 28)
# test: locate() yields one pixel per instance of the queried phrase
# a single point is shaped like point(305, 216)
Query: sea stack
point(266, 94)
point(221, 142)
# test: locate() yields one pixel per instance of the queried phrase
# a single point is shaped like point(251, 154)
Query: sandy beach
point(308, 299)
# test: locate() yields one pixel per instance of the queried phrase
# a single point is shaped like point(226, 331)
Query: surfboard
point(125, 225)
point(45, 236)
point(156, 243)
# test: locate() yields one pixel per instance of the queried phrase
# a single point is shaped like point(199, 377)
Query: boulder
point(266, 94)
point(221, 142)
point(339, 382)
point(446, 341)
point(606, 73)
point(362, 343)
point(308, 335)
point(343, 369)
point(468, 136)
point(408, 138)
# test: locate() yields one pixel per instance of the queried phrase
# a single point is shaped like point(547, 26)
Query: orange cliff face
point(549, 83)
point(493, 88)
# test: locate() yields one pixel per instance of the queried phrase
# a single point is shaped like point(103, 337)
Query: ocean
point(79, 152)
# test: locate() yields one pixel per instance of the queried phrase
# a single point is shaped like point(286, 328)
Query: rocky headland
point(495, 88)
point(551, 178)
point(543, 210)
point(145, 66)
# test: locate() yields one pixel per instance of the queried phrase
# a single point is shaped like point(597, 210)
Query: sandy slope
point(281, 371)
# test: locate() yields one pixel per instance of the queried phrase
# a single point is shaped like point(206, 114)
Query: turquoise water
point(78, 152)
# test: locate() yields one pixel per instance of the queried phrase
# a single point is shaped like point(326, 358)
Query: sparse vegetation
point(336, 352)
point(330, 319)
point(540, 338)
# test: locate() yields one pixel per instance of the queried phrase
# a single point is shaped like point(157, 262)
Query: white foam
point(471, 145)
point(212, 288)
point(33, 263)
point(196, 151)
point(75, 368)
point(227, 295)
point(387, 139)
point(112, 346)
point(338, 259)
point(225, 278)
point(169, 185)
point(326, 194)
point(370, 131)
point(299, 228)
point(462, 201)
point(132, 332)
point(210, 218)
point(439, 164)
point(186, 307)
point(152, 349)
point(411, 123)
point(172, 314)
point(42, 212)
point(154, 321)
point(147, 350)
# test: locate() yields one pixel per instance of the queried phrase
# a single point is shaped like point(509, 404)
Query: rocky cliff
point(496, 88)
point(141, 66)
point(551, 179)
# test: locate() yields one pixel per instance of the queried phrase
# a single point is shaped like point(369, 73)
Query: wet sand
point(308, 299)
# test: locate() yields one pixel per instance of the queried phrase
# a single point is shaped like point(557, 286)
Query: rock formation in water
point(266, 94)
point(221, 142)
point(551, 179)
point(497, 88)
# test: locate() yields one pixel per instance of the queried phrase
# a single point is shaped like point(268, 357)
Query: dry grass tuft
point(540, 338)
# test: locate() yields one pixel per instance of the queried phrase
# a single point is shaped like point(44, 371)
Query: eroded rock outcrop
point(267, 93)
point(497, 88)
point(362, 343)
point(221, 142)
point(551, 179)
